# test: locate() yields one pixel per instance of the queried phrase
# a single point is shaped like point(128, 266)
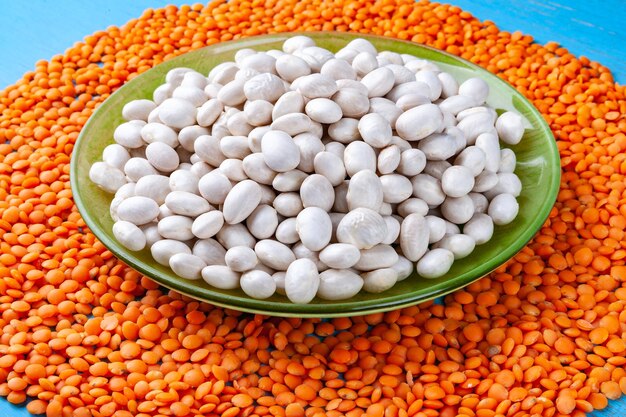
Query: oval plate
point(538, 168)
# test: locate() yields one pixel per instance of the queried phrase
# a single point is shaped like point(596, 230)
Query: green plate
point(538, 167)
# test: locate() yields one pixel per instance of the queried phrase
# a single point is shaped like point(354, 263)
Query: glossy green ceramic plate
point(538, 167)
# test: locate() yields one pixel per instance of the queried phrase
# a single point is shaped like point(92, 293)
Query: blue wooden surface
point(39, 29)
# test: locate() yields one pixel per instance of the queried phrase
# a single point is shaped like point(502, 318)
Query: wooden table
point(39, 29)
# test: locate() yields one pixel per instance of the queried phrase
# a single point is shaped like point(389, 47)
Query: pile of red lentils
point(84, 335)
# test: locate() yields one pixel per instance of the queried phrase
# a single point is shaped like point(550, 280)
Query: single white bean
point(221, 276)
point(208, 224)
point(414, 235)
point(457, 181)
point(339, 284)
point(129, 235)
point(378, 257)
point(164, 249)
point(502, 209)
point(314, 228)
point(109, 178)
point(257, 284)
point(359, 156)
point(138, 210)
point(187, 204)
point(186, 265)
point(241, 201)
point(362, 227)
point(419, 122)
point(340, 255)
point(214, 187)
point(274, 254)
point(262, 222)
point(302, 281)
point(241, 258)
point(396, 188)
point(288, 204)
point(280, 151)
point(323, 110)
point(176, 227)
point(317, 191)
point(365, 189)
point(379, 280)
point(461, 245)
point(435, 263)
point(210, 251)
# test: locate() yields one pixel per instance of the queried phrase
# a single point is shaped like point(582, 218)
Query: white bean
point(323, 110)
point(176, 227)
point(428, 188)
point(241, 258)
point(339, 284)
point(280, 151)
point(375, 130)
point(129, 134)
point(214, 187)
point(362, 227)
point(340, 255)
point(435, 263)
point(379, 280)
point(302, 281)
point(338, 69)
point(419, 122)
point(210, 251)
point(396, 188)
point(330, 166)
point(365, 189)
point(262, 222)
point(379, 82)
point(314, 228)
point(220, 276)
point(353, 102)
point(115, 155)
point(181, 180)
point(414, 235)
point(257, 284)
point(138, 210)
point(315, 86)
point(461, 245)
point(186, 204)
point(359, 156)
point(286, 231)
point(208, 224)
point(457, 181)
point(164, 249)
point(377, 257)
point(403, 267)
point(289, 181)
point(317, 191)
point(288, 204)
point(274, 254)
point(109, 178)
point(502, 209)
point(241, 201)
point(186, 265)
point(138, 109)
point(412, 205)
point(129, 235)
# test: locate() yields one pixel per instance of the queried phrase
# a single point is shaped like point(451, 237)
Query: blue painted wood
point(39, 29)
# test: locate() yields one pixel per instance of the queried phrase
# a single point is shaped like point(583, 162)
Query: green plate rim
point(361, 307)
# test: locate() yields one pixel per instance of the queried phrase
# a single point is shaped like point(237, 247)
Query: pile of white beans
point(309, 173)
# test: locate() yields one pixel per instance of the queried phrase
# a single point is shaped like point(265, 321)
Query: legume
point(565, 284)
